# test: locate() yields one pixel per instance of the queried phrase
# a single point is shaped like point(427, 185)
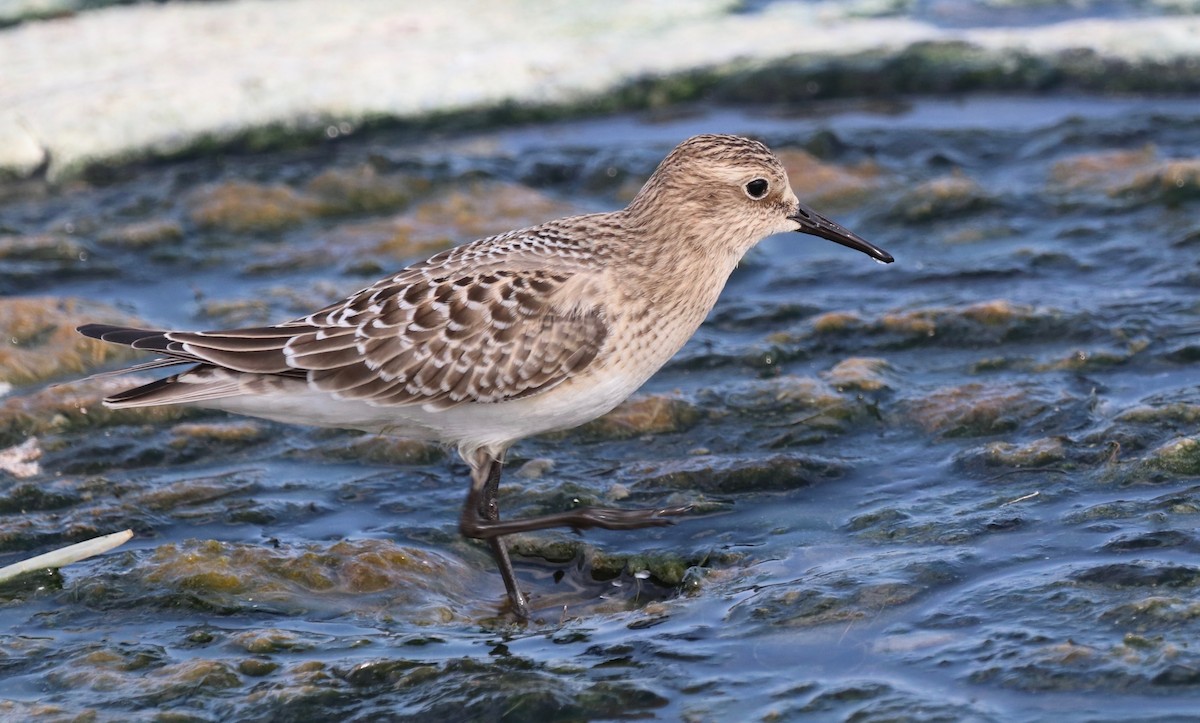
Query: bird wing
point(430, 335)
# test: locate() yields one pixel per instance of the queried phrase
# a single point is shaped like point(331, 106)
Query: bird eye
point(757, 188)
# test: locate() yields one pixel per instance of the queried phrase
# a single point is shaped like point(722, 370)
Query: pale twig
point(1022, 498)
point(66, 555)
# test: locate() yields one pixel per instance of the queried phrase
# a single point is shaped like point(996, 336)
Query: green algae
point(1038, 453)
point(975, 409)
point(941, 198)
point(1180, 456)
point(861, 374)
point(26, 498)
point(642, 414)
point(57, 248)
point(77, 407)
point(727, 475)
point(1170, 414)
point(38, 340)
point(380, 449)
point(241, 207)
point(362, 189)
point(1171, 183)
point(143, 235)
point(1174, 459)
point(994, 322)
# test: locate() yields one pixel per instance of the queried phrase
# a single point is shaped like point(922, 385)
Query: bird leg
point(481, 508)
point(481, 520)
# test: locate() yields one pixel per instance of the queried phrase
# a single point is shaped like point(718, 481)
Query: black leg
point(481, 520)
point(482, 505)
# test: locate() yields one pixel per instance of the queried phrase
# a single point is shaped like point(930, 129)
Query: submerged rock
point(941, 198)
point(188, 498)
point(245, 207)
point(1150, 614)
point(380, 449)
point(38, 340)
point(1038, 453)
point(29, 497)
point(142, 673)
point(1142, 573)
point(439, 217)
point(1105, 171)
point(643, 414)
point(1051, 652)
point(784, 393)
point(77, 406)
point(862, 374)
point(362, 189)
point(1172, 460)
point(503, 686)
point(1170, 182)
point(54, 251)
point(833, 322)
point(1136, 175)
point(852, 589)
point(234, 432)
point(993, 322)
point(975, 409)
point(659, 567)
point(1170, 414)
point(828, 185)
point(805, 409)
point(1173, 508)
point(143, 235)
point(1143, 541)
point(363, 577)
point(729, 475)
point(1090, 360)
point(1180, 456)
point(466, 211)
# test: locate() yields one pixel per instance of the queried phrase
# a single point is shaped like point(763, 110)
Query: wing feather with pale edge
point(483, 336)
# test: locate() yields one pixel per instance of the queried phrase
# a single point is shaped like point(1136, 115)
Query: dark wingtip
point(129, 336)
point(95, 331)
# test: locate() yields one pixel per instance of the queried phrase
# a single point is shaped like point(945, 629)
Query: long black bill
point(815, 224)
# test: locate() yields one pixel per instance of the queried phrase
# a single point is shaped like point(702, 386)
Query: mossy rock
point(38, 340)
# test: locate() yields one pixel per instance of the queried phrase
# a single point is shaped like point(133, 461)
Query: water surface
point(959, 487)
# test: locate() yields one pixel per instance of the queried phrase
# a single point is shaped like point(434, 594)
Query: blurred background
point(960, 487)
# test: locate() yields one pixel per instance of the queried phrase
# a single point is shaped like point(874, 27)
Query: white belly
point(467, 425)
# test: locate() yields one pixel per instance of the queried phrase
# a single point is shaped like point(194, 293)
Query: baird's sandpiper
point(538, 329)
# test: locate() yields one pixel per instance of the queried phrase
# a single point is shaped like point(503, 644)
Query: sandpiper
point(534, 330)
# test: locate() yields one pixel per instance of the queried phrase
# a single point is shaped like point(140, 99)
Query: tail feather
point(198, 384)
point(153, 364)
point(257, 351)
point(202, 382)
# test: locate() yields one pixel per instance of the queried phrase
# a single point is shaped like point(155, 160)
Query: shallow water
point(960, 487)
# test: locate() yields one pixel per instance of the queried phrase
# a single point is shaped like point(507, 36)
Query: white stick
point(1022, 498)
point(67, 555)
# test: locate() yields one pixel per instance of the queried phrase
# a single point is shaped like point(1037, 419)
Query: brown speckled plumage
point(533, 330)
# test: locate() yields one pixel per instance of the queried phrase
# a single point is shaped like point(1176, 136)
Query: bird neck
point(672, 261)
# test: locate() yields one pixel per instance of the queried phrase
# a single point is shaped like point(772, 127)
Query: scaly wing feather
point(483, 323)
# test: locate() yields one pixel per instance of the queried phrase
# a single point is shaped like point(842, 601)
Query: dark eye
point(757, 188)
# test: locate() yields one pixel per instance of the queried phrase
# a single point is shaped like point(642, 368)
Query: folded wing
point(473, 336)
